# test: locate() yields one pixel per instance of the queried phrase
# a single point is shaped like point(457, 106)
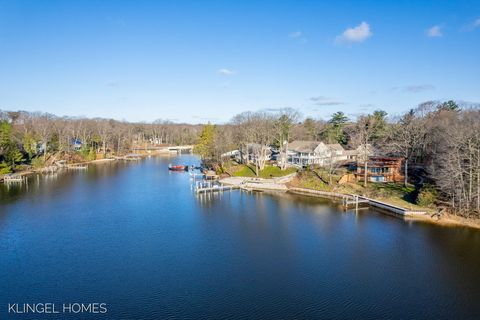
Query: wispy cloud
point(325, 101)
point(472, 26)
point(415, 88)
point(272, 109)
point(434, 32)
point(476, 23)
point(226, 72)
point(113, 83)
point(356, 34)
point(318, 98)
point(329, 103)
point(295, 34)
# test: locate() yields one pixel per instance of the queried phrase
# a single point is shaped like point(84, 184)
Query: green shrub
point(88, 154)
point(38, 162)
point(427, 196)
point(5, 168)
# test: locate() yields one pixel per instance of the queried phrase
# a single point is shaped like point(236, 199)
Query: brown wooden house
point(381, 169)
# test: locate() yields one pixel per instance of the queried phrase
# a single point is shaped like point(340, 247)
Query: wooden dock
point(209, 186)
point(180, 149)
point(197, 175)
point(354, 201)
point(130, 157)
point(14, 178)
point(77, 166)
point(349, 200)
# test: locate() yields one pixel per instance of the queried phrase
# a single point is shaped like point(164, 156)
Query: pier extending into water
point(77, 166)
point(354, 201)
point(357, 200)
point(210, 186)
point(14, 178)
point(179, 149)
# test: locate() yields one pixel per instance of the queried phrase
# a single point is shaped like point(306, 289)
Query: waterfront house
point(303, 153)
point(380, 169)
point(250, 154)
point(359, 154)
point(351, 155)
point(257, 152)
point(76, 144)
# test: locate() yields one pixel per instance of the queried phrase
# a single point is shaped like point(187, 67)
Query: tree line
point(32, 138)
point(439, 143)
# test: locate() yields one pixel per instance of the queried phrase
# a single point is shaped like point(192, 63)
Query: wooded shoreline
point(275, 187)
point(447, 220)
point(436, 146)
point(280, 185)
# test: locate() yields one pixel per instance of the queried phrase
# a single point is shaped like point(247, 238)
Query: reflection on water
point(135, 236)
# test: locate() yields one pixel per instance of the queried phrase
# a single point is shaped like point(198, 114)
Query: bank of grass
point(311, 180)
point(393, 193)
point(396, 194)
point(268, 172)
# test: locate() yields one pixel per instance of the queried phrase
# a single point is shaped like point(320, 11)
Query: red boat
point(176, 168)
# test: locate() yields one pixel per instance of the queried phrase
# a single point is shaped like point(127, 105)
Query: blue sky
point(198, 61)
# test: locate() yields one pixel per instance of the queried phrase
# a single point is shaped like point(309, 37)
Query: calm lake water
point(134, 236)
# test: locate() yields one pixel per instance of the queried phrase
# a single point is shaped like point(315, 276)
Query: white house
point(304, 153)
point(360, 154)
point(253, 150)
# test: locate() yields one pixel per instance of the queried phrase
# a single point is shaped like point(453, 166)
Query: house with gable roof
point(304, 153)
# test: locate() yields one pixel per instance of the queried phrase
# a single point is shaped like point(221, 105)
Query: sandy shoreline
point(448, 221)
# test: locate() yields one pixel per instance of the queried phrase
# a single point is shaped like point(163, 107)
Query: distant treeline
point(28, 138)
point(439, 142)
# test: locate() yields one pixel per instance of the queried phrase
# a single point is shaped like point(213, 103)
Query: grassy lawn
point(311, 180)
point(243, 171)
point(318, 179)
point(267, 172)
point(274, 171)
point(393, 193)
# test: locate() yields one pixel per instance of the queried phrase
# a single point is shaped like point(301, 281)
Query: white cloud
point(416, 88)
point(434, 32)
point(226, 72)
point(476, 24)
point(471, 26)
point(295, 34)
point(325, 101)
point(359, 33)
